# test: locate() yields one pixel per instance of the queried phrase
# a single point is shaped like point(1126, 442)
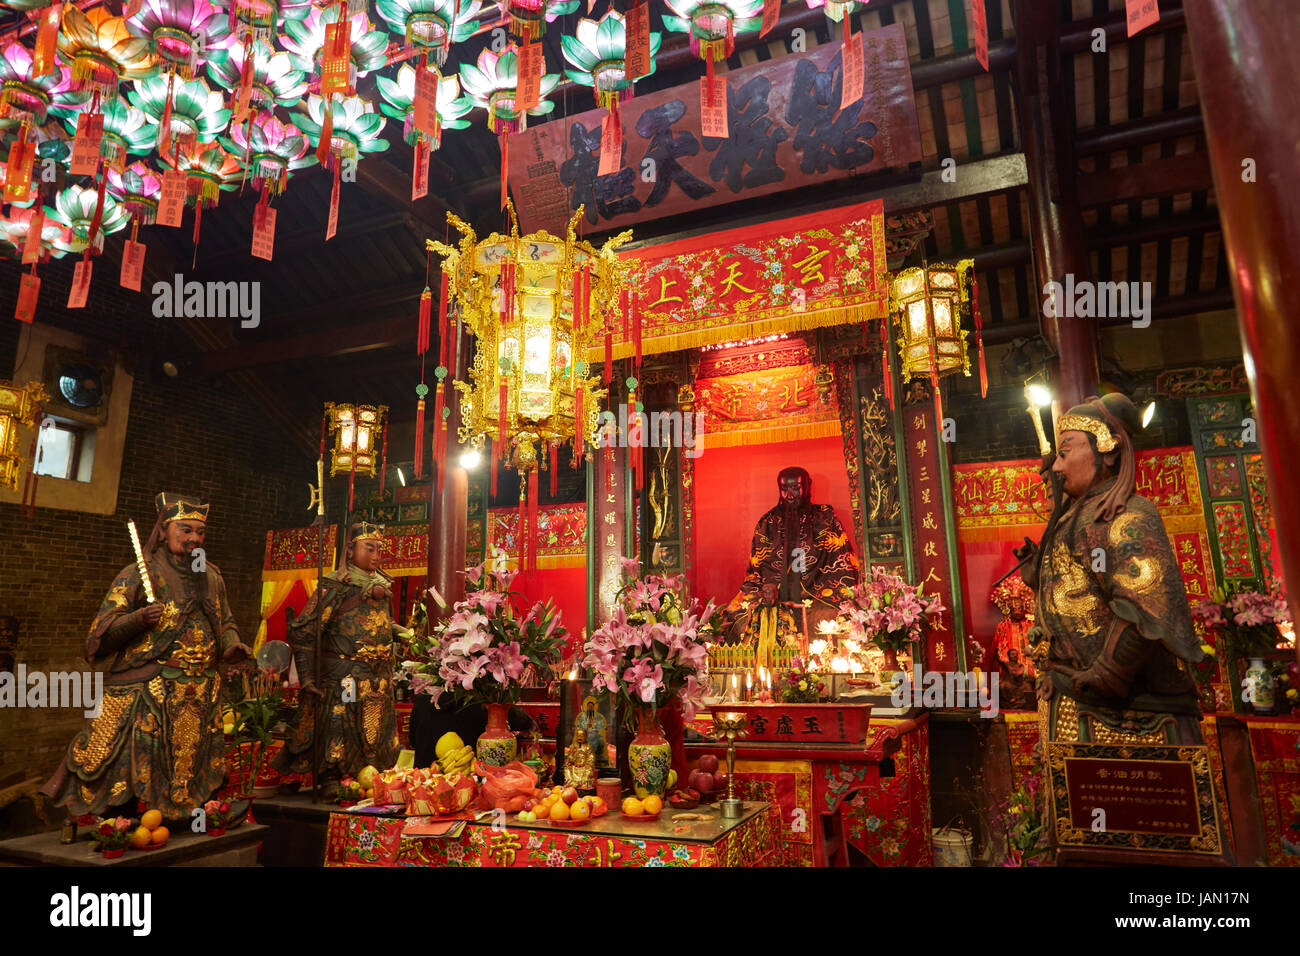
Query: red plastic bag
point(505, 788)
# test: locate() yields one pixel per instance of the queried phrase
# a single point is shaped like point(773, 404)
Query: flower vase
point(114, 853)
point(649, 757)
point(1260, 679)
point(216, 831)
point(497, 746)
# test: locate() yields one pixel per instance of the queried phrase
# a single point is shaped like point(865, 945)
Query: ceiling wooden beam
point(316, 345)
point(1187, 173)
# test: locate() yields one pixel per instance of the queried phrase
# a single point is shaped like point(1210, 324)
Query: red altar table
point(356, 839)
point(831, 795)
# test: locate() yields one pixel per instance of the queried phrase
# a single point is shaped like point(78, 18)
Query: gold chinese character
point(935, 578)
point(921, 446)
point(930, 551)
point(940, 652)
point(664, 284)
point(918, 422)
point(733, 280)
point(609, 499)
point(609, 540)
point(790, 391)
point(929, 522)
point(925, 496)
point(610, 517)
point(810, 265)
point(502, 848)
point(924, 474)
point(613, 854)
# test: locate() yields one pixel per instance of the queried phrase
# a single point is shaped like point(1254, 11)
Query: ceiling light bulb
point(469, 459)
point(1148, 413)
point(1039, 395)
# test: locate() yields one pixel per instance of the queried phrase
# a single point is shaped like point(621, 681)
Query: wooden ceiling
point(338, 317)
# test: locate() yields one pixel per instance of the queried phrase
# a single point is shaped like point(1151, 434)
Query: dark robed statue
point(158, 735)
point(353, 682)
point(801, 566)
point(1114, 630)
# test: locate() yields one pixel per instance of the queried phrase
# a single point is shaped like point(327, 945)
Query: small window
point(65, 450)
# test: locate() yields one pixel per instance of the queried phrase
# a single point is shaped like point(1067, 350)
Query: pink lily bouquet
point(653, 648)
point(482, 652)
point(888, 612)
point(1248, 619)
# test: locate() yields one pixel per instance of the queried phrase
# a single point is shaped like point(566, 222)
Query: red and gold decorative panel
point(1275, 747)
point(1223, 476)
point(562, 534)
point(1234, 539)
point(771, 405)
point(890, 823)
point(291, 552)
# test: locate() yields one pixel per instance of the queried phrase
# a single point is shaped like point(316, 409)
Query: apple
point(672, 778)
point(708, 763)
point(529, 804)
point(570, 796)
point(693, 780)
point(720, 780)
point(705, 782)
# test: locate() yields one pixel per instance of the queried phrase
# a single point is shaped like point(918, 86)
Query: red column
point(1244, 56)
point(1055, 222)
point(448, 510)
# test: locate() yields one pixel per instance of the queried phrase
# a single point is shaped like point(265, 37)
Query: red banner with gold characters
point(825, 268)
point(561, 534)
point(291, 553)
point(769, 405)
point(930, 531)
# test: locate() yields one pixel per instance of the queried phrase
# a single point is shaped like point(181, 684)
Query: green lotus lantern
point(597, 57)
point(138, 188)
point(274, 80)
point(260, 20)
point(399, 93)
point(101, 51)
point(196, 110)
point(305, 41)
point(17, 226)
point(837, 10)
point(74, 209)
point(271, 151)
point(492, 82)
point(528, 18)
point(714, 24)
point(209, 171)
point(126, 132)
point(356, 128)
point(182, 34)
point(432, 25)
point(34, 96)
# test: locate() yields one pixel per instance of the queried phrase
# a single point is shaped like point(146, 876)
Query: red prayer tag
point(771, 13)
point(980, 29)
point(332, 226)
point(1141, 14)
point(85, 145)
point(334, 62)
point(264, 236)
point(28, 290)
point(132, 265)
point(637, 50)
point(242, 98)
point(530, 76)
point(713, 110)
point(854, 78)
point(47, 35)
point(132, 8)
point(611, 145)
point(420, 173)
point(80, 284)
point(32, 244)
point(424, 107)
point(19, 170)
point(171, 203)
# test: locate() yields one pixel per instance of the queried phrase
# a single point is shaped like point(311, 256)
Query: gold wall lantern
point(19, 406)
point(928, 303)
point(356, 430)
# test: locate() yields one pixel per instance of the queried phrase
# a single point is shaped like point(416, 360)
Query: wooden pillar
point(1244, 56)
point(609, 535)
point(448, 508)
point(1055, 221)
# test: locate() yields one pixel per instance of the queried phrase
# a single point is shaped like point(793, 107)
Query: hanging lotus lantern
point(126, 132)
point(528, 18)
point(209, 169)
point(714, 24)
point(399, 93)
point(194, 110)
point(305, 41)
point(101, 50)
point(526, 384)
point(836, 10)
point(430, 24)
point(274, 80)
point(182, 34)
point(597, 56)
point(492, 84)
point(355, 128)
point(74, 209)
point(260, 20)
point(138, 188)
point(30, 96)
point(271, 150)
point(28, 4)
point(17, 226)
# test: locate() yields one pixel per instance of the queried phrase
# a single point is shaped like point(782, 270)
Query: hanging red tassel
point(634, 447)
point(165, 125)
point(383, 459)
point(501, 420)
point(884, 362)
point(198, 226)
point(979, 334)
point(326, 133)
point(609, 355)
point(508, 288)
point(532, 521)
point(417, 468)
point(577, 427)
point(577, 302)
point(505, 163)
point(555, 468)
point(439, 430)
point(426, 307)
point(99, 211)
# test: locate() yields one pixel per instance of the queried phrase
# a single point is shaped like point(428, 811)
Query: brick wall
point(199, 437)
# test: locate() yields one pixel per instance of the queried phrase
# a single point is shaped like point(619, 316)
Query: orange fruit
point(151, 820)
point(543, 811)
point(652, 804)
point(159, 835)
point(597, 806)
point(580, 810)
point(633, 807)
point(140, 838)
point(560, 811)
